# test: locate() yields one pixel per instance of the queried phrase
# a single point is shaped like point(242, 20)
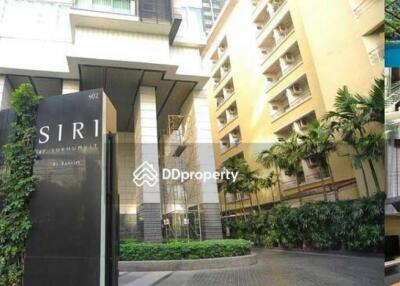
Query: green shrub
point(17, 183)
point(351, 225)
point(184, 250)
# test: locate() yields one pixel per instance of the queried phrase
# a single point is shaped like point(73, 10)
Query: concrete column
point(211, 227)
point(146, 152)
point(5, 93)
point(70, 86)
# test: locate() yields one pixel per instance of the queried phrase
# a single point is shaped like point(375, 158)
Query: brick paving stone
point(280, 268)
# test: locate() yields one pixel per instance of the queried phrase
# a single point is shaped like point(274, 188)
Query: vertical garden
point(16, 185)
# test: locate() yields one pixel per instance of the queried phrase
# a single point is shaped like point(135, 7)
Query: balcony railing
point(147, 10)
point(276, 44)
point(304, 180)
point(292, 104)
point(283, 73)
point(362, 7)
point(126, 7)
point(376, 55)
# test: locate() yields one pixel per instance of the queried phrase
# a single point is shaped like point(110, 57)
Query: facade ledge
point(227, 76)
point(276, 48)
point(119, 22)
point(291, 70)
point(227, 124)
point(276, 17)
point(297, 104)
point(219, 107)
point(219, 62)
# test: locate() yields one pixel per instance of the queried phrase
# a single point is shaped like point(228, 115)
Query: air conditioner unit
point(270, 76)
point(297, 89)
point(232, 110)
point(222, 120)
point(311, 163)
point(235, 134)
point(288, 58)
point(216, 80)
point(225, 67)
point(275, 107)
point(275, 3)
point(229, 89)
point(281, 139)
point(282, 30)
point(303, 123)
point(225, 143)
point(264, 51)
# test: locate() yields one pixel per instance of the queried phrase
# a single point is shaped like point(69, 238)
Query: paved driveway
point(275, 268)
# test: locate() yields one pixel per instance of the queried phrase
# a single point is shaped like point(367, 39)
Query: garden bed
point(136, 251)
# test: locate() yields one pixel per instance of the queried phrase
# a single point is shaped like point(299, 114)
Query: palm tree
point(291, 157)
point(271, 158)
point(373, 105)
point(316, 146)
point(265, 183)
point(371, 148)
point(236, 164)
point(350, 119)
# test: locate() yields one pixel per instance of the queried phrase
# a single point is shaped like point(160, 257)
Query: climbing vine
point(16, 185)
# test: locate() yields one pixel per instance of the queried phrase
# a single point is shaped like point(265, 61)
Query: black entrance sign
point(68, 243)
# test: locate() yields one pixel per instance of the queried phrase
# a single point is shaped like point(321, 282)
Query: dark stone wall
point(211, 227)
point(149, 222)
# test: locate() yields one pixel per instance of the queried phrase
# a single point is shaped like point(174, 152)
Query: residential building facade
point(276, 66)
point(211, 11)
point(145, 55)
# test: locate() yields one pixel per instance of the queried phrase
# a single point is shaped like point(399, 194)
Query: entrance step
point(142, 278)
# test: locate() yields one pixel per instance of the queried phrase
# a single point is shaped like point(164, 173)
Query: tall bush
point(17, 185)
point(350, 225)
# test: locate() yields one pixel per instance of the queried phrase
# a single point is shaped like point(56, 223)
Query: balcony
point(226, 92)
point(219, 54)
point(287, 62)
point(127, 7)
point(359, 7)
point(274, 39)
point(230, 140)
point(310, 170)
point(289, 98)
point(267, 15)
point(149, 16)
point(222, 120)
point(227, 116)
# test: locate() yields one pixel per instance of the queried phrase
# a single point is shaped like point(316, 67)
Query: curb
point(189, 264)
point(328, 252)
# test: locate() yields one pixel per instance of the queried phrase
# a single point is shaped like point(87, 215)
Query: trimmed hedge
point(131, 250)
point(345, 225)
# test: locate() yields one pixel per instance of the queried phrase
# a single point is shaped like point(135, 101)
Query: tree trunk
point(225, 204)
point(242, 204)
point(332, 180)
point(251, 202)
point(273, 196)
point(365, 180)
point(374, 176)
point(321, 174)
point(258, 204)
point(299, 190)
point(278, 180)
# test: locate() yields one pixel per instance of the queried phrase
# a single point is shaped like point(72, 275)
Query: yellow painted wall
point(332, 43)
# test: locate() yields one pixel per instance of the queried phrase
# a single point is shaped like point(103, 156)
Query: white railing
point(292, 104)
point(128, 7)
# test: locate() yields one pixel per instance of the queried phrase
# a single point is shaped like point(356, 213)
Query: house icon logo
point(145, 174)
